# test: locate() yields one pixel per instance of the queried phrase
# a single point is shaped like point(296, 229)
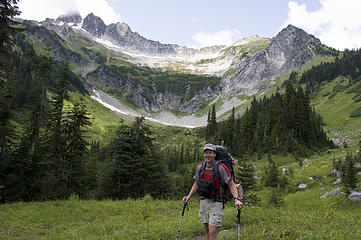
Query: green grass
point(335, 106)
point(302, 216)
point(104, 121)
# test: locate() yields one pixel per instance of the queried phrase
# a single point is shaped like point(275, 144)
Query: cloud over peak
point(336, 24)
point(40, 10)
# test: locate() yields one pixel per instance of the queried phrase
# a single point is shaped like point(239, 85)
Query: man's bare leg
point(207, 231)
point(212, 232)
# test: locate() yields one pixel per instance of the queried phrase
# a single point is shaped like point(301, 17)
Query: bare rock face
point(291, 49)
point(254, 71)
point(94, 25)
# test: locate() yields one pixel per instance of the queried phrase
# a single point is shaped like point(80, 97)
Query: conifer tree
point(271, 176)
point(212, 126)
point(208, 128)
point(245, 175)
point(134, 169)
point(350, 178)
point(230, 136)
point(76, 148)
point(55, 174)
point(8, 10)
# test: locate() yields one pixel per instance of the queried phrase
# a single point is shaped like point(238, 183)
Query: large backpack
point(224, 157)
point(205, 186)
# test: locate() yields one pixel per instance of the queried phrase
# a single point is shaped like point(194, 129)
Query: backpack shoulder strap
point(202, 170)
point(216, 170)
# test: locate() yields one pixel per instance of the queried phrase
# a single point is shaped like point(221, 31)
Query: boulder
point(338, 181)
point(355, 196)
point(302, 186)
point(336, 191)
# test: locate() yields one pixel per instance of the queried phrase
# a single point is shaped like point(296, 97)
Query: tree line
point(347, 65)
point(282, 123)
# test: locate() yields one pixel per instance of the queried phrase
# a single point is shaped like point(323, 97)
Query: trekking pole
point(239, 224)
point(240, 195)
point(180, 223)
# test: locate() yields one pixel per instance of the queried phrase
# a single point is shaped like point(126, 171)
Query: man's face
point(209, 155)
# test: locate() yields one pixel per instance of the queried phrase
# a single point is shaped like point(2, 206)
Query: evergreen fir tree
point(75, 149)
point(245, 175)
point(134, 169)
point(230, 137)
point(208, 128)
point(350, 178)
point(212, 125)
point(55, 179)
point(271, 176)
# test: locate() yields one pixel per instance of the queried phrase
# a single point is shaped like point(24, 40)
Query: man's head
point(209, 146)
point(209, 152)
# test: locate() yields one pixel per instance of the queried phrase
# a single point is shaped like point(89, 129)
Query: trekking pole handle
point(184, 208)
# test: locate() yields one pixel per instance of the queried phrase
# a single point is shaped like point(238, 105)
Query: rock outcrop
point(94, 25)
point(291, 49)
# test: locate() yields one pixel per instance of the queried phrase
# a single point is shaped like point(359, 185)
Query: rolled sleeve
point(225, 175)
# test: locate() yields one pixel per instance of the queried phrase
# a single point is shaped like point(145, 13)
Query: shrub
point(356, 113)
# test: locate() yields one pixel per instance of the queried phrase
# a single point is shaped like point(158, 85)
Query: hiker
point(211, 202)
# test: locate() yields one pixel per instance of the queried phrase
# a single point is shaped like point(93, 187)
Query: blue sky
point(199, 23)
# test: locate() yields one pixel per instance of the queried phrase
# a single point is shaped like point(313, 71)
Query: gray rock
point(338, 181)
point(291, 49)
point(94, 25)
point(302, 186)
point(355, 196)
point(336, 191)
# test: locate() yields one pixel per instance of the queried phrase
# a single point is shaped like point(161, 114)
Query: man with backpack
point(209, 178)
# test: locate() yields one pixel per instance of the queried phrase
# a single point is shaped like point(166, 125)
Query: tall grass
point(304, 216)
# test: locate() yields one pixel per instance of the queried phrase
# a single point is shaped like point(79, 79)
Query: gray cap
point(209, 146)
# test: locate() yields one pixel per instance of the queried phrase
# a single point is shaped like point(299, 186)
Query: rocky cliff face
point(94, 25)
point(252, 72)
point(291, 49)
point(121, 35)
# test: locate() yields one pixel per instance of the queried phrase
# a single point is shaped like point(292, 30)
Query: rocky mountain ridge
point(249, 66)
point(292, 49)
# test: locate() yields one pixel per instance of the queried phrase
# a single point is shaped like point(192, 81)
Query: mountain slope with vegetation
point(59, 149)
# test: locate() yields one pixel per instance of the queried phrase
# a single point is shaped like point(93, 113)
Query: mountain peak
point(71, 17)
point(94, 25)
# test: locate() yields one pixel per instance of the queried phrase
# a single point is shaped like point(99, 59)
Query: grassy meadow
point(303, 215)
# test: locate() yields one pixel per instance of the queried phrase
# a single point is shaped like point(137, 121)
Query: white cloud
point(42, 9)
point(224, 37)
point(337, 23)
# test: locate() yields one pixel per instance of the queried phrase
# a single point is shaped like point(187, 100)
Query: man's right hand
point(185, 199)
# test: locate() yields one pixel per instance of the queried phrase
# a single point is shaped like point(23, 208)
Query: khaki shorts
point(211, 212)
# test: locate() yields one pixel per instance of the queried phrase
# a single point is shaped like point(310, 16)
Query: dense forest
point(45, 153)
point(348, 65)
